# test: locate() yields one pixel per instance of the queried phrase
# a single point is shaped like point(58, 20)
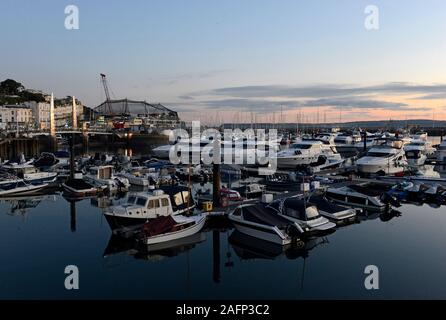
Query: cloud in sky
point(325, 90)
point(265, 105)
point(268, 98)
point(170, 80)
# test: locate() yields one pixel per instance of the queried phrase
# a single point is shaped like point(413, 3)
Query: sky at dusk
point(283, 60)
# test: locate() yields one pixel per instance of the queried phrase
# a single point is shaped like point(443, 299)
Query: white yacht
point(418, 151)
point(351, 144)
point(302, 153)
point(249, 152)
point(419, 136)
point(104, 176)
point(182, 147)
point(387, 158)
point(317, 154)
point(441, 151)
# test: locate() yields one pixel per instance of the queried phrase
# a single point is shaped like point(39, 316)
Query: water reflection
point(120, 245)
point(250, 248)
point(21, 206)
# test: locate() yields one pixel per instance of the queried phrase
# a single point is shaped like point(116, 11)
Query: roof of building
point(15, 106)
point(133, 107)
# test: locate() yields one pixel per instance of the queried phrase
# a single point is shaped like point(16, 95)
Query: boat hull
point(259, 231)
point(31, 189)
point(177, 234)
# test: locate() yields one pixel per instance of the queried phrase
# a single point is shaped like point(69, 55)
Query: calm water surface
point(38, 242)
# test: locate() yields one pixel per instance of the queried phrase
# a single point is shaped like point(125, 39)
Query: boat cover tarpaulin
point(159, 225)
point(78, 184)
point(325, 205)
point(260, 214)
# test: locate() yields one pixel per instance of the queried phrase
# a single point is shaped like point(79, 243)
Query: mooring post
point(72, 156)
point(216, 256)
point(216, 178)
point(364, 138)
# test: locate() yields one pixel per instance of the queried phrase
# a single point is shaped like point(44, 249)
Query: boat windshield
point(131, 200)
point(378, 154)
point(300, 146)
point(141, 201)
point(416, 144)
point(311, 212)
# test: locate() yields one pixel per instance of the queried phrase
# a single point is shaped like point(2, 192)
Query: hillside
point(13, 92)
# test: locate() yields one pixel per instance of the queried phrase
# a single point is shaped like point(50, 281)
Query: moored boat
point(260, 222)
point(170, 228)
point(303, 213)
point(15, 186)
point(362, 196)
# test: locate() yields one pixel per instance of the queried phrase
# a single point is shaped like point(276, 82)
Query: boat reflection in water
point(120, 245)
point(385, 216)
point(23, 205)
point(250, 248)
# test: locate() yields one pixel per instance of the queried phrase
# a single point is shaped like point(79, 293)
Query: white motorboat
point(30, 173)
point(170, 228)
point(315, 153)
point(184, 148)
point(303, 213)
point(247, 151)
point(421, 135)
point(387, 158)
point(260, 222)
point(14, 186)
point(332, 211)
point(357, 196)
point(101, 176)
point(144, 206)
point(299, 154)
point(441, 152)
point(345, 143)
point(418, 151)
point(350, 144)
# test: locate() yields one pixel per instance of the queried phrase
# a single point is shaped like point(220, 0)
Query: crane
point(107, 93)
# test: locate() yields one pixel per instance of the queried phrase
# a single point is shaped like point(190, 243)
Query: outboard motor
point(294, 230)
point(388, 199)
point(120, 184)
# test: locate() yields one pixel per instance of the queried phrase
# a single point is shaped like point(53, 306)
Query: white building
point(41, 113)
point(12, 116)
point(62, 114)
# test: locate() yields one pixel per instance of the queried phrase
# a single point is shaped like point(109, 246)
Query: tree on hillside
point(11, 87)
point(13, 92)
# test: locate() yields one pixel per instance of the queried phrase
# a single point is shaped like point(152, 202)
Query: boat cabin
point(102, 172)
point(149, 205)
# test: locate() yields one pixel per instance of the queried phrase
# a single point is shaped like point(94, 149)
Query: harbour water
point(39, 238)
